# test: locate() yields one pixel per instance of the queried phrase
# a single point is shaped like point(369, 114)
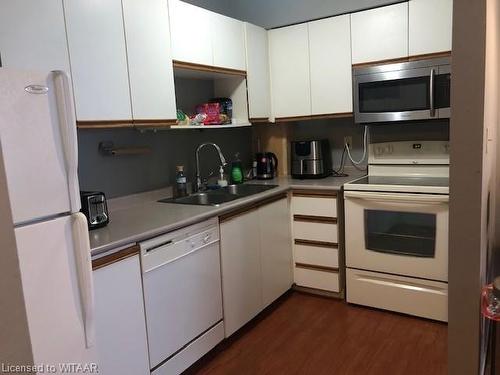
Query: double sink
point(222, 195)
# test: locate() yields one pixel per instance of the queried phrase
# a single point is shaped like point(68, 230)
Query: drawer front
point(315, 231)
point(314, 206)
point(317, 255)
point(424, 298)
point(323, 280)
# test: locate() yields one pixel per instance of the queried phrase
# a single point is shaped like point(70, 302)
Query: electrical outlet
point(348, 141)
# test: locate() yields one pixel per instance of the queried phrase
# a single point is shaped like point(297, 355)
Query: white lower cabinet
point(275, 250)
point(256, 261)
point(120, 322)
point(241, 279)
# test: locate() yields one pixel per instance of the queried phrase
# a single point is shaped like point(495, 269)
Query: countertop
point(147, 218)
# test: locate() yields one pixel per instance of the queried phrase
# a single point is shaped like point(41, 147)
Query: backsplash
point(336, 129)
point(123, 175)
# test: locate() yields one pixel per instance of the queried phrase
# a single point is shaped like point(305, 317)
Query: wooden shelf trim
point(314, 193)
point(404, 59)
point(207, 68)
point(123, 124)
point(106, 260)
point(251, 207)
point(331, 245)
point(315, 219)
point(255, 120)
point(317, 268)
point(314, 117)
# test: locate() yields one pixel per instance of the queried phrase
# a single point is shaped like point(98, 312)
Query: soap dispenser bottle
point(222, 179)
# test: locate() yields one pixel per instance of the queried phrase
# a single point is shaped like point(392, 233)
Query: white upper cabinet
point(330, 60)
point(380, 34)
point(289, 64)
point(228, 42)
point(190, 33)
point(98, 59)
point(149, 59)
point(32, 35)
point(203, 37)
point(430, 26)
point(257, 55)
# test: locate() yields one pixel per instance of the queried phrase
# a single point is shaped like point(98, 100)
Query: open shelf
point(196, 84)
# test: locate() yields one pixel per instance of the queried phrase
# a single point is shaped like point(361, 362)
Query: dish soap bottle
point(180, 182)
point(236, 170)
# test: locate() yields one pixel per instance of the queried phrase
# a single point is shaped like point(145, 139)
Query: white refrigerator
point(38, 156)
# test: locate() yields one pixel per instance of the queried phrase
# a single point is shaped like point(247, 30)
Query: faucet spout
point(198, 149)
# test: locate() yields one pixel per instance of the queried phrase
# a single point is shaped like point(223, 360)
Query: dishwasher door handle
point(170, 254)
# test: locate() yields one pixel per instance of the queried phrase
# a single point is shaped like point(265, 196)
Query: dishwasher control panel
point(172, 246)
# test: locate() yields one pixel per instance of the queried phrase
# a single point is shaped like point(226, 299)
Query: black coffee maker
point(267, 165)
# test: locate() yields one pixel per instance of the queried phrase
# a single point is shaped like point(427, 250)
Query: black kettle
point(267, 165)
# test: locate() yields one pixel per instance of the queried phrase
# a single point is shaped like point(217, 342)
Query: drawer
point(314, 206)
point(424, 298)
point(316, 231)
point(316, 255)
point(324, 280)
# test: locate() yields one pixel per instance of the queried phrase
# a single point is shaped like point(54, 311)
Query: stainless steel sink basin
point(216, 197)
point(203, 199)
point(245, 190)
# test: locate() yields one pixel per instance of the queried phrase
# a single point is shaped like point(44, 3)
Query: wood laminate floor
point(306, 334)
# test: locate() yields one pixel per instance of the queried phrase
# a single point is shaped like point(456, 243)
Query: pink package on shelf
point(212, 111)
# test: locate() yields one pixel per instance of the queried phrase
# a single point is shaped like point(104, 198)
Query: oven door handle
point(399, 197)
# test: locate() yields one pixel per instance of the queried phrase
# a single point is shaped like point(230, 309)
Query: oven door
point(401, 234)
point(402, 95)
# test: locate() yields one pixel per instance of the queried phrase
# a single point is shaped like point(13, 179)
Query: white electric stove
point(397, 229)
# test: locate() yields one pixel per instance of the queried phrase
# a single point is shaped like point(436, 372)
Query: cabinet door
point(98, 57)
point(190, 32)
point(149, 59)
point(241, 270)
point(257, 55)
point(276, 250)
point(430, 26)
point(32, 35)
point(330, 59)
point(289, 63)
point(380, 34)
point(120, 322)
point(228, 42)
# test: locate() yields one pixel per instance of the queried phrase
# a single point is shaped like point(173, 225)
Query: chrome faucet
point(198, 175)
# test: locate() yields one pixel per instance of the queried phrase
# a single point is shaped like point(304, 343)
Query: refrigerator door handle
point(84, 272)
point(67, 124)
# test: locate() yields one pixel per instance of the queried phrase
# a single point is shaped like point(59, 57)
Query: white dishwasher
point(182, 296)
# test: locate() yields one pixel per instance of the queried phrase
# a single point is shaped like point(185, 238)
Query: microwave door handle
point(431, 93)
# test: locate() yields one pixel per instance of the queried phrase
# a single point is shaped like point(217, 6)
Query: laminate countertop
point(143, 217)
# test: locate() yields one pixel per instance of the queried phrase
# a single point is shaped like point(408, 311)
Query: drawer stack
point(316, 240)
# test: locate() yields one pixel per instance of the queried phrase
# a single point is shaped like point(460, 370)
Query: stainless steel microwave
point(415, 90)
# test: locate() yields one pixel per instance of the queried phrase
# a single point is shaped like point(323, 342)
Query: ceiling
point(276, 13)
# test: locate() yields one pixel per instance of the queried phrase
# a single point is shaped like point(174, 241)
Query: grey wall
point(275, 13)
point(124, 175)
